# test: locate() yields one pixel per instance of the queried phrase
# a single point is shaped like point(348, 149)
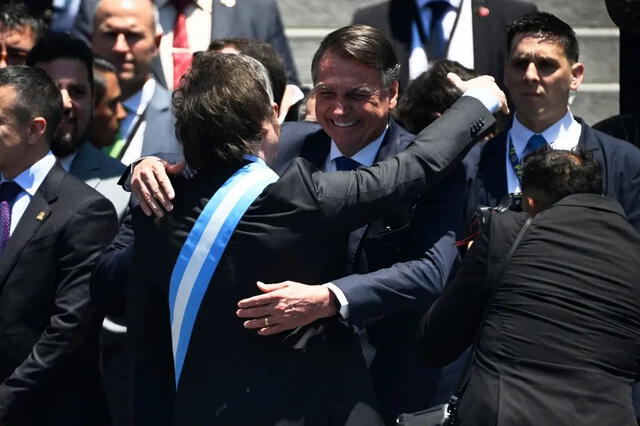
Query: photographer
point(559, 314)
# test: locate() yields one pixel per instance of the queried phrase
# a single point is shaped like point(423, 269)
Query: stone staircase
point(307, 22)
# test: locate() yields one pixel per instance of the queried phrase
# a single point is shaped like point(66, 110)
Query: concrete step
point(578, 13)
point(595, 102)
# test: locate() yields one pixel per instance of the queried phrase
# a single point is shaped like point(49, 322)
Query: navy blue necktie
point(533, 144)
point(346, 163)
point(436, 45)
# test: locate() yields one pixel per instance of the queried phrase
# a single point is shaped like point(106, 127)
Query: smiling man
point(69, 63)
point(541, 70)
point(380, 281)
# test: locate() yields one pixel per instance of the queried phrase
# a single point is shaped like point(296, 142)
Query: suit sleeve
point(451, 324)
point(347, 200)
point(415, 283)
point(111, 273)
point(86, 234)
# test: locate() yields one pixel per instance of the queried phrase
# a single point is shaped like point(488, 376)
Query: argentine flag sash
point(204, 246)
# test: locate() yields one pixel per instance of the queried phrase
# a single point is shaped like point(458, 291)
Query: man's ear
point(394, 90)
point(276, 110)
point(530, 205)
point(36, 130)
point(577, 75)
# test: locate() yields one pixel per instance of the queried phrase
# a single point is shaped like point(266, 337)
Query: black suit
point(560, 345)
point(395, 17)
point(313, 375)
point(49, 327)
point(620, 160)
point(400, 247)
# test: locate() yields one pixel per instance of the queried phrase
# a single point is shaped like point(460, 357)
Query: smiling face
point(124, 33)
point(72, 78)
point(352, 105)
point(539, 77)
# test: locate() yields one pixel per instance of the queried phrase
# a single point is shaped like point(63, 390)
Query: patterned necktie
point(437, 45)
point(8, 192)
point(181, 54)
point(346, 163)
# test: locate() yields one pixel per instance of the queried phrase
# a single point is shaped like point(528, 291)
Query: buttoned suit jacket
point(394, 19)
point(560, 341)
point(101, 172)
point(487, 179)
point(312, 375)
point(398, 251)
point(258, 19)
point(48, 325)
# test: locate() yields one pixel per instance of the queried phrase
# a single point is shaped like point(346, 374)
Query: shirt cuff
point(343, 311)
point(488, 99)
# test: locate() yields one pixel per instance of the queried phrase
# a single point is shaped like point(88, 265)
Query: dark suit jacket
point(259, 19)
point(394, 18)
point(562, 336)
point(48, 327)
point(620, 162)
point(402, 247)
point(313, 375)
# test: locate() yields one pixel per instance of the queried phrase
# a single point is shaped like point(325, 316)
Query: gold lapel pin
point(40, 216)
point(228, 3)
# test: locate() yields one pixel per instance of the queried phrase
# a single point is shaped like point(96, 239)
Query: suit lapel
point(591, 144)
point(316, 148)
point(34, 217)
point(391, 145)
point(493, 171)
point(481, 35)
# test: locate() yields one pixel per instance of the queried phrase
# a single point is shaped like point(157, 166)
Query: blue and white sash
point(203, 248)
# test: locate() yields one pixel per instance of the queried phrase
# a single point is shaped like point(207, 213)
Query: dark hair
point(554, 174)
point(263, 52)
point(61, 46)
point(548, 27)
point(37, 95)
point(15, 15)
point(220, 107)
point(430, 93)
point(101, 66)
point(361, 43)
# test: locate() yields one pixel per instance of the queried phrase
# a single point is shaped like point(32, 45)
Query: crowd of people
point(190, 236)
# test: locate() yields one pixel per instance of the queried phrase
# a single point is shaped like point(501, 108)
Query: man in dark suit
point(124, 32)
point(382, 275)
point(314, 374)
point(561, 337)
point(541, 70)
point(481, 49)
point(53, 229)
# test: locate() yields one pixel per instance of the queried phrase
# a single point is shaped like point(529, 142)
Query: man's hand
point(484, 82)
point(150, 183)
point(286, 306)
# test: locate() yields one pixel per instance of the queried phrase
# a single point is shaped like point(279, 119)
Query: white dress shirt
point(29, 180)
point(461, 37)
point(563, 134)
point(135, 106)
point(199, 17)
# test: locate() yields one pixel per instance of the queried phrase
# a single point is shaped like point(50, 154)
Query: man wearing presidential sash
point(233, 223)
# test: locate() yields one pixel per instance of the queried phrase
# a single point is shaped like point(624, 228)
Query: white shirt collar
point(563, 134)
point(201, 4)
point(139, 100)
point(366, 156)
point(31, 179)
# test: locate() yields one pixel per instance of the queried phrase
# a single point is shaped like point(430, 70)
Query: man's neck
point(131, 87)
point(538, 124)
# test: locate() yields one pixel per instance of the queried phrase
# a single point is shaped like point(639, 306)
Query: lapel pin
point(483, 11)
point(40, 216)
point(228, 3)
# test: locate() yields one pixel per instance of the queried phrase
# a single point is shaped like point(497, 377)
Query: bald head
point(124, 32)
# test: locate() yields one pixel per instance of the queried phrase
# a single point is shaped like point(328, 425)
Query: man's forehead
point(528, 42)
point(65, 71)
point(118, 13)
point(20, 35)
